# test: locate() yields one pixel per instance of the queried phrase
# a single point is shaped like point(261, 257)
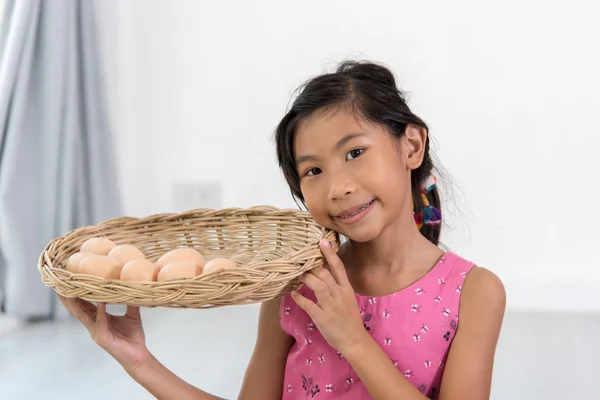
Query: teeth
point(357, 211)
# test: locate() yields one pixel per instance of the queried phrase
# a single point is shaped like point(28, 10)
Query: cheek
point(315, 203)
point(389, 180)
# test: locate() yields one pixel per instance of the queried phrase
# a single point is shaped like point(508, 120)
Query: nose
point(340, 186)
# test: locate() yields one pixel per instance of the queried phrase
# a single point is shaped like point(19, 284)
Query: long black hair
point(369, 91)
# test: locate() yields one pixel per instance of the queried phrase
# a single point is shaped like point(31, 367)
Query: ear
point(415, 139)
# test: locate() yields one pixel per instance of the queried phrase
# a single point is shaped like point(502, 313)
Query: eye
point(354, 153)
point(313, 171)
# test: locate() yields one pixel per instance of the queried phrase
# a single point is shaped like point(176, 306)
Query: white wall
point(510, 91)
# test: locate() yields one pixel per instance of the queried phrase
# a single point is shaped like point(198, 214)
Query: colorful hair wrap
point(429, 216)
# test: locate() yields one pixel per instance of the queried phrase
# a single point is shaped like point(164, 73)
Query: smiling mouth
point(357, 211)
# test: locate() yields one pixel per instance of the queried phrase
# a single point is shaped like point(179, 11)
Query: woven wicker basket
point(271, 246)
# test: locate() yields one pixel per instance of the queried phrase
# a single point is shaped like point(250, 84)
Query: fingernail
point(325, 243)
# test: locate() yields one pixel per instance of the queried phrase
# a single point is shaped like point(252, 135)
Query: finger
point(66, 303)
point(80, 310)
point(71, 304)
point(133, 312)
point(89, 307)
point(335, 264)
point(317, 285)
point(325, 275)
point(63, 301)
point(101, 319)
point(311, 308)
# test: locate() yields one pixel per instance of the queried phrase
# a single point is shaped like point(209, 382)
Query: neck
point(400, 247)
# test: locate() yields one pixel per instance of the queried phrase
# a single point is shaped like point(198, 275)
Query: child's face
point(354, 176)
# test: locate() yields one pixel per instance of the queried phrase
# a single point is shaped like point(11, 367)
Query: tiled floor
point(540, 356)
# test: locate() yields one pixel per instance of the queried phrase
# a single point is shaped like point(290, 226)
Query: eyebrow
point(341, 143)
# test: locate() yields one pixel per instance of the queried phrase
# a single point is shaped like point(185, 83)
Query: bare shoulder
point(484, 290)
point(468, 373)
point(482, 306)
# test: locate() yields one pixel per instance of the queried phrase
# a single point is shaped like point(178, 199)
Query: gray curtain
point(57, 167)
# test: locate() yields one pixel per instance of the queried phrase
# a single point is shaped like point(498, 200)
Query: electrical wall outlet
point(192, 195)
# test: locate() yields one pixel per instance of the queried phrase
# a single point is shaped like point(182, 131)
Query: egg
point(102, 266)
point(179, 255)
point(98, 245)
point(74, 261)
point(126, 252)
point(178, 270)
point(140, 271)
point(218, 264)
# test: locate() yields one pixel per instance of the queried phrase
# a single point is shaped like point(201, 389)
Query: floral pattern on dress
point(414, 326)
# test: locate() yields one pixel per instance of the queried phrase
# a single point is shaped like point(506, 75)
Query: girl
point(380, 320)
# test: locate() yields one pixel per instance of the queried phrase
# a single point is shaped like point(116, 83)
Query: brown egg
point(178, 270)
point(102, 266)
point(184, 254)
point(140, 271)
point(126, 252)
point(98, 245)
point(74, 261)
point(218, 264)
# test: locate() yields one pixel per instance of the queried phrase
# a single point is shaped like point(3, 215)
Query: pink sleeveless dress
point(414, 326)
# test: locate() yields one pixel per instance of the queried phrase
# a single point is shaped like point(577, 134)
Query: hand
point(336, 313)
point(121, 336)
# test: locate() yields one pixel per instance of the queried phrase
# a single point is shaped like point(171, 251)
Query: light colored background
point(510, 91)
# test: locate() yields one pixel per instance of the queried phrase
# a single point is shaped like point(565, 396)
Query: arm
point(468, 373)
point(468, 370)
point(264, 376)
point(163, 384)
point(337, 316)
point(379, 375)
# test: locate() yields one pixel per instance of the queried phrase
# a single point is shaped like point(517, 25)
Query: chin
point(355, 235)
point(361, 235)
